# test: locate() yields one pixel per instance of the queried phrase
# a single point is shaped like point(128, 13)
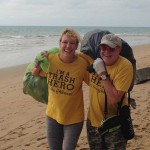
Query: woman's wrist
point(37, 64)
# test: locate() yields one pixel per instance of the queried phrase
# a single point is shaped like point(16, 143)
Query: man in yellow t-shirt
point(111, 80)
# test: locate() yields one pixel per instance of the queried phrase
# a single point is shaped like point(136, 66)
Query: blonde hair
point(72, 33)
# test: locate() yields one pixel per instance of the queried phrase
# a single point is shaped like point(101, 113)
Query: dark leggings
point(62, 136)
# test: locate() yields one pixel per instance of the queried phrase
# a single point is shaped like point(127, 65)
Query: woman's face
point(68, 46)
point(109, 55)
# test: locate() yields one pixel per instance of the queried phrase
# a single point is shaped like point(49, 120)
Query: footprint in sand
point(41, 138)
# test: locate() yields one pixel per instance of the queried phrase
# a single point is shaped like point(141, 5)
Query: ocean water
point(20, 44)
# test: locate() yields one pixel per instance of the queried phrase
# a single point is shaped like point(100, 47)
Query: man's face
point(109, 55)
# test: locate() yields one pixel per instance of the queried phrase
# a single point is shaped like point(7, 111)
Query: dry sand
point(22, 119)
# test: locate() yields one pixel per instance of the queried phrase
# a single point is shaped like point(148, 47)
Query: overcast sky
point(75, 12)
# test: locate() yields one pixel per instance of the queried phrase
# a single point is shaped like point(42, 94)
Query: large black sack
point(90, 45)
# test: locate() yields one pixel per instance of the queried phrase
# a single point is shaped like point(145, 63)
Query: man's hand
point(98, 65)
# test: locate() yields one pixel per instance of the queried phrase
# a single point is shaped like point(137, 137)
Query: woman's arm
point(37, 71)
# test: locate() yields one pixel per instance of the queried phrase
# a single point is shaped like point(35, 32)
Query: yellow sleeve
point(86, 77)
point(88, 59)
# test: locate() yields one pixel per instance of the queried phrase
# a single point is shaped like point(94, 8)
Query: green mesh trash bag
point(44, 64)
point(35, 86)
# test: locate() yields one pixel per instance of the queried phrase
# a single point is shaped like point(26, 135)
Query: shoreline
point(135, 49)
point(22, 119)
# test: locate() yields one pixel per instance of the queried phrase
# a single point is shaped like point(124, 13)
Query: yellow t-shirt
point(121, 74)
point(65, 100)
point(86, 57)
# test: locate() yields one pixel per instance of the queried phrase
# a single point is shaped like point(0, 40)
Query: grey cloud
point(134, 4)
point(75, 12)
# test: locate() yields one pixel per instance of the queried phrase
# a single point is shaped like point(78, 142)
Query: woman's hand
point(44, 54)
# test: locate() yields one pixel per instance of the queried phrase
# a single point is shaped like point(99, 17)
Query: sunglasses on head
point(105, 47)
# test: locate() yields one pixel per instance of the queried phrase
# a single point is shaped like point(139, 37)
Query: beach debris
point(142, 75)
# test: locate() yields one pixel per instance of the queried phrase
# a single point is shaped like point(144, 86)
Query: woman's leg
point(71, 135)
point(54, 134)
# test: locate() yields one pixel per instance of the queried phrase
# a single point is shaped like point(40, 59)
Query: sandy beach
point(22, 119)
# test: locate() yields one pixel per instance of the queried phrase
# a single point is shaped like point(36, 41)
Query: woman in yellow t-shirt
point(65, 109)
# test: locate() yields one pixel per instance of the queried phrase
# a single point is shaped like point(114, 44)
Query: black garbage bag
point(90, 45)
point(91, 41)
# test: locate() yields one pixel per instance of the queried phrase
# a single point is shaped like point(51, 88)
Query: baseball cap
point(111, 40)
